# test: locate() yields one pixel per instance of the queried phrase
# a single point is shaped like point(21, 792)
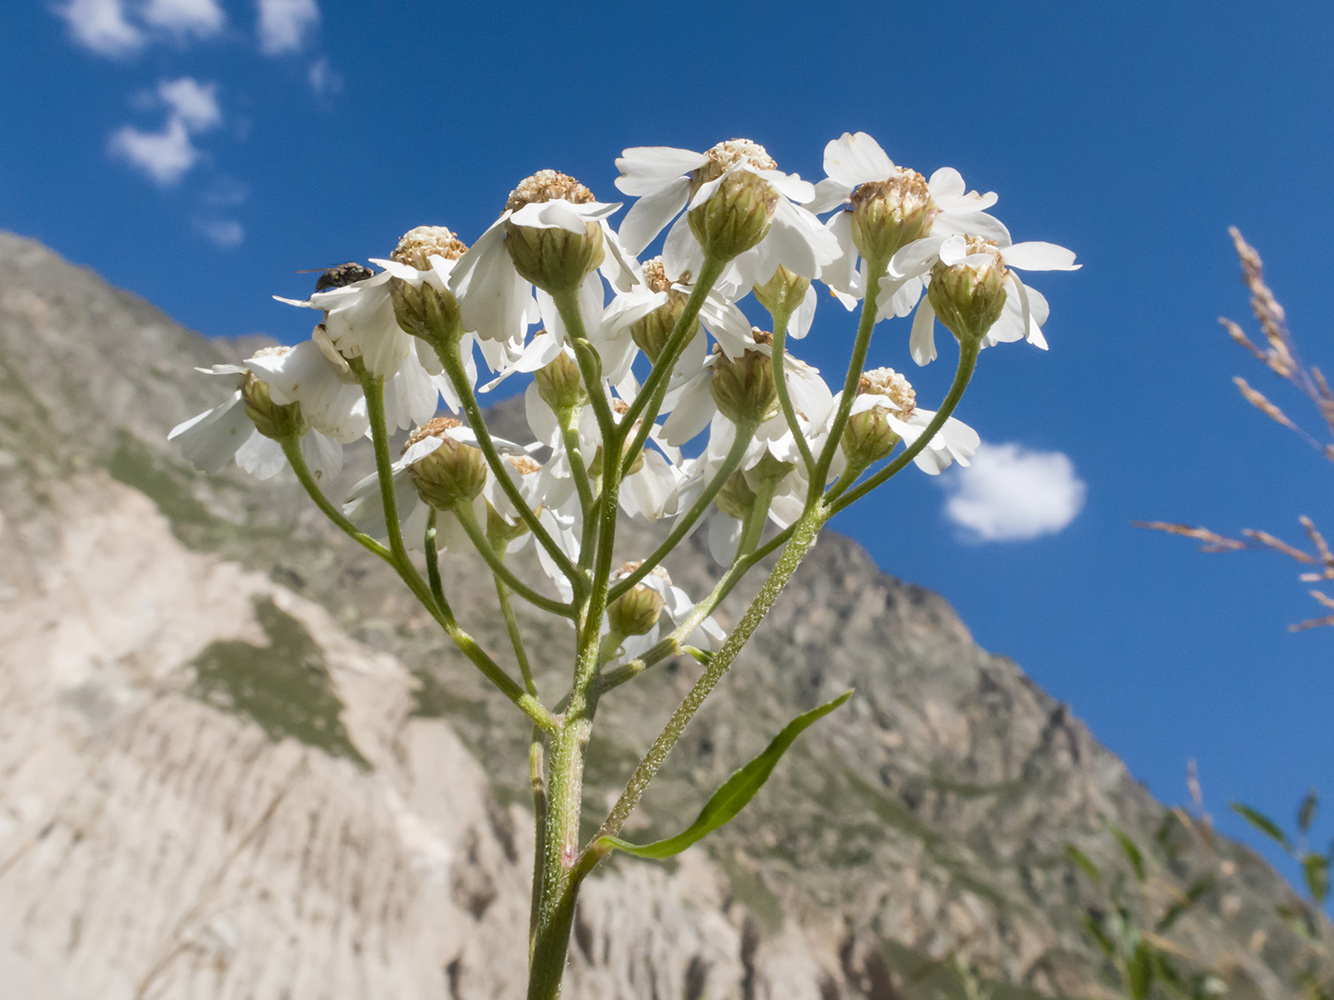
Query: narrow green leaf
point(1306, 812)
point(1099, 935)
point(1132, 852)
point(702, 655)
point(735, 792)
point(1173, 914)
point(1316, 869)
point(1139, 970)
point(1262, 823)
point(1084, 862)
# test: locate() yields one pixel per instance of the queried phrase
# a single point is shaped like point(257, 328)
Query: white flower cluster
point(634, 360)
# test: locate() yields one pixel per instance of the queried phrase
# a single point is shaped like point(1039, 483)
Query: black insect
point(337, 277)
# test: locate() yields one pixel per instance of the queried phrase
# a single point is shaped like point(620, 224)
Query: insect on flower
point(337, 277)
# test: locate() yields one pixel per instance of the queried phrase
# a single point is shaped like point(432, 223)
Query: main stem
point(561, 874)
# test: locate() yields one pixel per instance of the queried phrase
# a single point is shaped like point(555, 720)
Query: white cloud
point(284, 24)
point(324, 79)
point(225, 233)
point(1011, 494)
point(101, 26)
point(202, 18)
point(194, 103)
point(164, 156)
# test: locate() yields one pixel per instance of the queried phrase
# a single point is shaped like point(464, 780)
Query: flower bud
point(620, 407)
point(426, 308)
point(554, 259)
point(561, 385)
point(637, 611)
point(270, 419)
point(782, 293)
point(736, 498)
point(455, 472)
point(968, 296)
point(738, 213)
point(888, 215)
point(868, 436)
point(651, 333)
point(744, 389)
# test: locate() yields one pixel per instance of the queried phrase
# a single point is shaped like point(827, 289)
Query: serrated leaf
point(734, 793)
point(1316, 869)
point(1262, 823)
point(1306, 811)
point(1132, 852)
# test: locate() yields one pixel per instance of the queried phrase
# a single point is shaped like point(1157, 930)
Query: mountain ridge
point(930, 818)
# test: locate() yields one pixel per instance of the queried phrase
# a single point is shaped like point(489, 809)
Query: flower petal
point(1039, 256)
point(856, 159)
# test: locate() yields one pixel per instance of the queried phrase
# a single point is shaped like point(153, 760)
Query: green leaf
point(1132, 853)
point(1306, 812)
point(1099, 935)
point(1139, 971)
point(1262, 823)
point(1084, 862)
point(1316, 869)
point(702, 655)
point(735, 792)
point(1192, 896)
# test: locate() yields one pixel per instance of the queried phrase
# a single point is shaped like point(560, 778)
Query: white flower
point(676, 608)
point(315, 375)
point(691, 407)
point(667, 180)
point(211, 439)
point(859, 170)
point(360, 323)
point(1024, 312)
point(494, 299)
point(954, 442)
point(365, 509)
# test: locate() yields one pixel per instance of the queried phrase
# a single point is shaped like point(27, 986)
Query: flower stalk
point(369, 370)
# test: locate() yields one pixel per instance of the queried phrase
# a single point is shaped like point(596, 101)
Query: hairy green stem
point(468, 518)
point(527, 701)
point(697, 510)
point(967, 364)
point(784, 397)
point(292, 449)
point(874, 270)
point(803, 537)
point(649, 401)
point(451, 358)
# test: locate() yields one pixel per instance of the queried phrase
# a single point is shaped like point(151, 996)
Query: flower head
point(740, 207)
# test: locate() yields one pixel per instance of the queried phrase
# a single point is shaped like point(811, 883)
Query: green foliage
point(1142, 959)
point(735, 792)
point(1263, 823)
point(1131, 851)
point(1306, 812)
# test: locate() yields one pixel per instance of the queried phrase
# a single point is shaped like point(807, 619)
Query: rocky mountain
point(235, 762)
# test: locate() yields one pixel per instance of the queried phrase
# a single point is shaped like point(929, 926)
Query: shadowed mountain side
point(238, 762)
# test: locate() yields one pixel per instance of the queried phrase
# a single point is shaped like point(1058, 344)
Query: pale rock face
point(236, 764)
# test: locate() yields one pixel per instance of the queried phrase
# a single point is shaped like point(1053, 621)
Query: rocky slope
point(236, 762)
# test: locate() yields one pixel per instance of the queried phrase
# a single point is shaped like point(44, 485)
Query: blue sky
point(316, 132)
